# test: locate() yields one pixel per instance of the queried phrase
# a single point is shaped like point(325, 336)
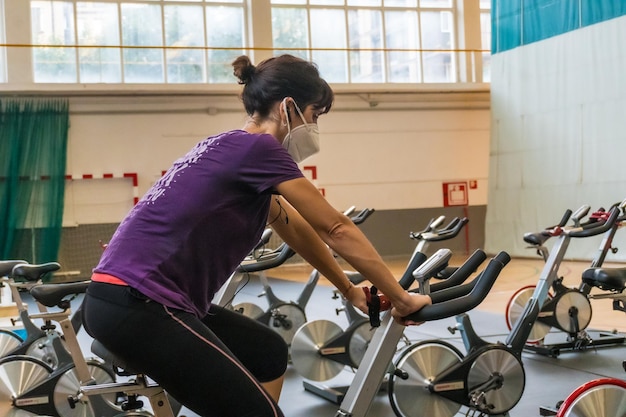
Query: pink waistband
point(108, 279)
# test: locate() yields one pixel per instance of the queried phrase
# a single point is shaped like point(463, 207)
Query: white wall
point(558, 135)
point(390, 155)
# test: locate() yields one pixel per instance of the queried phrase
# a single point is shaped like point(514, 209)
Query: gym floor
point(548, 379)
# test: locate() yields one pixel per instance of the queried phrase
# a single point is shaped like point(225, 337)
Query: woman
point(150, 299)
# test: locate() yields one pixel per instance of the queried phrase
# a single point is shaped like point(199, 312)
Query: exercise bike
point(30, 386)
point(601, 397)
point(321, 349)
point(20, 276)
point(567, 309)
point(435, 379)
point(285, 317)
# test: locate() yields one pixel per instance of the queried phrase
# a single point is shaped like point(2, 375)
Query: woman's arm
point(301, 237)
point(347, 240)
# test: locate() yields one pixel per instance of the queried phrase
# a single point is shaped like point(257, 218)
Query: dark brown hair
point(279, 77)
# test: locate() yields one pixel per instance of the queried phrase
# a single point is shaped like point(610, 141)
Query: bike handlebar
point(596, 228)
point(268, 260)
point(448, 232)
point(278, 256)
point(457, 305)
point(362, 216)
point(462, 273)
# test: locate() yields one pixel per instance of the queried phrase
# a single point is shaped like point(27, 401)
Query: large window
point(370, 41)
point(180, 42)
point(3, 73)
point(485, 28)
point(129, 41)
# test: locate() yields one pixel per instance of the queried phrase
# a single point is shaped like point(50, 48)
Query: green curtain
point(33, 153)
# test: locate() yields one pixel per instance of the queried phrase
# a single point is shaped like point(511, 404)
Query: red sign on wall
point(455, 194)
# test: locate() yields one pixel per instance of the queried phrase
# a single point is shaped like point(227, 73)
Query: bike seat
point(52, 295)
point(121, 367)
point(6, 267)
point(611, 279)
point(536, 239)
point(34, 272)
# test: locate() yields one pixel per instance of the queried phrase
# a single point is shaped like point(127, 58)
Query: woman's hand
point(356, 296)
point(410, 304)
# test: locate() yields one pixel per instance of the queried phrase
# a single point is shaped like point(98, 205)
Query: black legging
point(213, 366)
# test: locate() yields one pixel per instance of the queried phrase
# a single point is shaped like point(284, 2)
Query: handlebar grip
point(265, 238)
point(349, 210)
point(596, 228)
point(450, 225)
point(565, 218)
point(407, 277)
point(435, 223)
point(462, 304)
point(445, 234)
point(462, 273)
point(362, 216)
point(581, 212)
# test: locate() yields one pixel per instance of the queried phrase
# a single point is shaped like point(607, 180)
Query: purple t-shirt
point(191, 230)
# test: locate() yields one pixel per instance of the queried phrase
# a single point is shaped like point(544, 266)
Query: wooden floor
point(518, 273)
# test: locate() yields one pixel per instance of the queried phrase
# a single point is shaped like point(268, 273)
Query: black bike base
point(547, 411)
point(598, 338)
point(333, 394)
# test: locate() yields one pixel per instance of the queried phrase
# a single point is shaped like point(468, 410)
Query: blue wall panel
point(519, 22)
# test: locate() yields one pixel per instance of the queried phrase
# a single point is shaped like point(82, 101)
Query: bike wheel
point(248, 309)
point(305, 350)
point(564, 305)
point(496, 361)
point(359, 341)
point(604, 397)
point(422, 362)
point(515, 308)
point(43, 349)
point(69, 385)
point(18, 374)
point(8, 342)
point(286, 319)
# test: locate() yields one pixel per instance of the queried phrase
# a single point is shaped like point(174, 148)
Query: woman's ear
point(284, 111)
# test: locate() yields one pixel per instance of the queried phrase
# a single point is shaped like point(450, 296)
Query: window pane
point(290, 30)
point(437, 34)
point(141, 27)
point(485, 24)
point(225, 29)
point(400, 3)
point(288, 1)
point(98, 24)
point(181, 29)
point(52, 23)
point(365, 33)
point(402, 33)
point(328, 31)
point(364, 2)
point(328, 2)
point(485, 4)
point(435, 3)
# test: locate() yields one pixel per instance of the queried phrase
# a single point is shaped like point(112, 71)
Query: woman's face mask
point(304, 140)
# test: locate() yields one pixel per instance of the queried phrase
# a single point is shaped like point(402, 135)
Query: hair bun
point(243, 69)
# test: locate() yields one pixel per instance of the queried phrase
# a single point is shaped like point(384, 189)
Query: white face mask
point(304, 140)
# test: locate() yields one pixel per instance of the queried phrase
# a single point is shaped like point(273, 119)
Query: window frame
point(257, 44)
